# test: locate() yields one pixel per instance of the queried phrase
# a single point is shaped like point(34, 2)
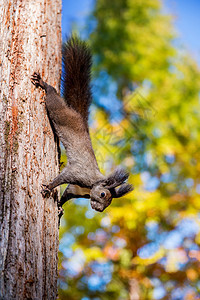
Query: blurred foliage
point(146, 245)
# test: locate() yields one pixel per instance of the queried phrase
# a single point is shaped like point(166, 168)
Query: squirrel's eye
point(102, 194)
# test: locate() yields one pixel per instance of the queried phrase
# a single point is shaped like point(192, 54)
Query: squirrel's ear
point(115, 179)
point(122, 190)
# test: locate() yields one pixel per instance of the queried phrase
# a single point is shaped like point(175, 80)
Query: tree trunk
point(30, 40)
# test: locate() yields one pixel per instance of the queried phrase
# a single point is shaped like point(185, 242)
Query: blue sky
point(187, 23)
point(187, 20)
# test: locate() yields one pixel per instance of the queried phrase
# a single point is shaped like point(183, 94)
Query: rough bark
point(30, 40)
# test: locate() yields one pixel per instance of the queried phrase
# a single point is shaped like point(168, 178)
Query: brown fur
point(70, 119)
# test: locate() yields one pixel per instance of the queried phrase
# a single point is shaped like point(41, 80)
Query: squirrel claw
point(60, 213)
point(45, 191)
point(37, 80)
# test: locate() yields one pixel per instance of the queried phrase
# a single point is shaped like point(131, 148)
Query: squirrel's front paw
point(46, 192)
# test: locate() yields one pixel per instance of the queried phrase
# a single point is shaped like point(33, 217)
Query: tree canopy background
point(145, 117)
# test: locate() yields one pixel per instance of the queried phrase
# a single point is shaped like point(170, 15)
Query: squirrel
point(69, 116)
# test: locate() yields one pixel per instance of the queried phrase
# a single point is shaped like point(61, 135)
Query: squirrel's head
point(105, 190)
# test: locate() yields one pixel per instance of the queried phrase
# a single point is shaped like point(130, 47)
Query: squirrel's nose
point(95, 204)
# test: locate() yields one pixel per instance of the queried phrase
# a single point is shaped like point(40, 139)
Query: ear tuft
point(123, 190)
point(115, 179)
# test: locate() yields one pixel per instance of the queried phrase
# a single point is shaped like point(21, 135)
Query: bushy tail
point(77, 62)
